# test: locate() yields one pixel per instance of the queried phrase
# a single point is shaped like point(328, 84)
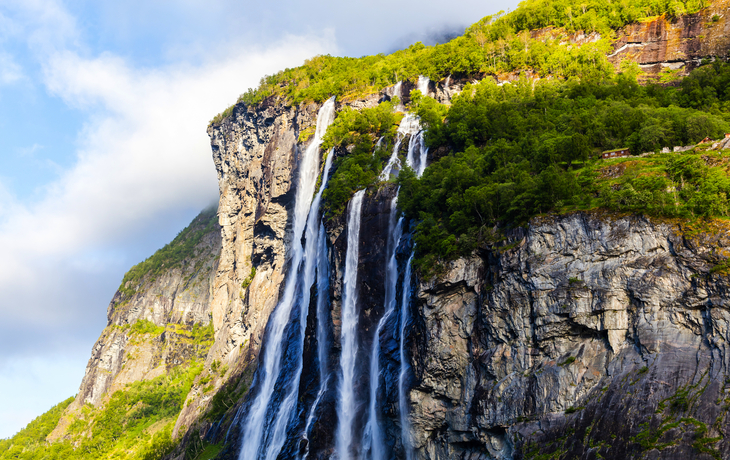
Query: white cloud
point(143, 154)
point(10, 71)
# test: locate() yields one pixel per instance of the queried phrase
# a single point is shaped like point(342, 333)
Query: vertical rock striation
point(593, 335)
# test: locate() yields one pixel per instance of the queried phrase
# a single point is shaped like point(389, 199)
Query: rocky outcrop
point(588, 335)
point(150, 320)
point(594, 335)
point(675, 43)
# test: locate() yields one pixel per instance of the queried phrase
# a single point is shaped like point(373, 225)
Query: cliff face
point(594, 335)
point(588, 335)
point(150, 326)
point(675, 44)
point(255, 154)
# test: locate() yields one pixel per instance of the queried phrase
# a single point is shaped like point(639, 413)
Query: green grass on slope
point(134, 423)
point(172, 254)
point(33, 436)
point(496, 44)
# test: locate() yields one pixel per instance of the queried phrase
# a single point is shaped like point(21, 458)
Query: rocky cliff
point(156, 321)
point(677, 44)
point(588, 335)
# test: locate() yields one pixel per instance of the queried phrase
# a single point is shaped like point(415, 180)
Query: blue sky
point(104, 155)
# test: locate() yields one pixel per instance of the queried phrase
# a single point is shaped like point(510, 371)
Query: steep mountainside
point(576, 332)
point(595, 334)
point(157, 322)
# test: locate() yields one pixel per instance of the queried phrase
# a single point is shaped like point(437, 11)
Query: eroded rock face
point(174, 302)
point(569, 342)
point(676, 44)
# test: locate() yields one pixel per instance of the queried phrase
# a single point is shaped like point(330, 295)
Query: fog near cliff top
point(103, 110)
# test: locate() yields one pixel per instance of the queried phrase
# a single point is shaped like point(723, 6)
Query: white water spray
point(253, 429)
point(405, 424)
point(422, 85)
point(409, 125)
point(311, 253)
point(322, 334)
point(373, 436)
point(346, 405)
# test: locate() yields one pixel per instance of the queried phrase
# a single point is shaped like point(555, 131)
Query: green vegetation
point(144, 326)
point(496, 44)
point(658, 433)
point(33, 437)
point(357, 133)
point(170, 256)
point(249, 279)
point(567, 362)
point(224, 399)
point(524, 149)
point(134, 423)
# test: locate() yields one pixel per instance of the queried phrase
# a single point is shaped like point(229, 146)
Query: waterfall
point(417, 153)
point(253, 433)
point(405, 425)
point(415, 142)
point(346, 405)
point(422, 85)
point(311, 256)
point(322, 332)
point(396, 90)
point(409, 125)
point(373, 436)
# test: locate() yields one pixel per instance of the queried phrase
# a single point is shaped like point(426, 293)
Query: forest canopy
point(523, 149)
point(496, 44)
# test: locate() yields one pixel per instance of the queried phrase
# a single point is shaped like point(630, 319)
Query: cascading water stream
point(373, 436)
point(373, 442)
point(409, 125)
point(322, 332)
point(310, 259)
point(422, 85)
point(253, 433)
point(405, 424)
point(346, 404)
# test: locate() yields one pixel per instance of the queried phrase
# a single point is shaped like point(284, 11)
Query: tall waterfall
point(323, 284)
point(311, 256)
point(422, 85)
point(405, 424)
point(257, 428)
point(417, 153)
point(409, 125)
point(373, 436)
point(346, 404)
point(373, 440)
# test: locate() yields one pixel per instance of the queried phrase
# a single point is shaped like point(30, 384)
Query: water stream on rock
point(373, 439)
point(346, 404)
point(323, 284)
point(405, 425)
point(278, 407)
point(373, 436)
point(310, 262)
point(258, 427)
